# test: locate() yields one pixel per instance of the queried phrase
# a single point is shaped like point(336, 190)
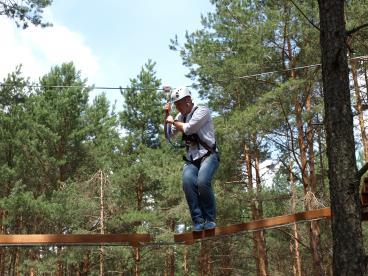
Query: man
point(201, 160)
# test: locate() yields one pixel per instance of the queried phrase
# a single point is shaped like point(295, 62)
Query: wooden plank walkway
point(136, 240)
point(74, 239)
point(190, 237)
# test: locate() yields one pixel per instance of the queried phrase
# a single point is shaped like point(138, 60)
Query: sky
point(108, 41)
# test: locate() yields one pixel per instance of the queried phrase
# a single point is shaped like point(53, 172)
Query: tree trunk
point(359, 108)
point(102, 221)
point(2, 250)
point(204, 260)
point(172, 252)
point(261, 240)
point(306, 149)
point(59, 264)
point(166, 265)
point(294, 243)
point(186, 264)
point(59, 269)
point(348, 251)
point(137, 259)
point(169, 262)
point(33, 256)
point(86, 264)
point(17, 263)
point(305, 143)
point(314, 229)
point(366, 80)
point(258, 237)
point(139, 194)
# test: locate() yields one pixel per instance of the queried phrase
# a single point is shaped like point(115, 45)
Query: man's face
point(183, 105)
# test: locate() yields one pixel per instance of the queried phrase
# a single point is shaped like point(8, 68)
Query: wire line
point(293, 68)
point(365, 58)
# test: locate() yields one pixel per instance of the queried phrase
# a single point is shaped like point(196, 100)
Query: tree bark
point(86, 264)
point(137, 259)
point(17, 263)
point(2, 250)
point(306, 150)
point(294, 243)
point(359, 108)
point(259, 241)
point(203, 259)
point(348, 251)
point(102, 221)
point(314, 229)
point(186, 263)
point(366, 80)
point(170, 253)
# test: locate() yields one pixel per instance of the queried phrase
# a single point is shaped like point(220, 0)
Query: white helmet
point(180, 93)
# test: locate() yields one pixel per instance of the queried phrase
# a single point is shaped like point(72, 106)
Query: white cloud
point(39, 49)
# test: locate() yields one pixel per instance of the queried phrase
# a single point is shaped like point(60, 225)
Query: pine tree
point(25, 12)
point(142, 110)
point(348, 256)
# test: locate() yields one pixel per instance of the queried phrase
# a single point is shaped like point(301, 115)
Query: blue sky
point(109, 41)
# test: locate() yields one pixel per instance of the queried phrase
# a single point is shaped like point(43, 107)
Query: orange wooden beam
point(73, 239)
point(190, 237)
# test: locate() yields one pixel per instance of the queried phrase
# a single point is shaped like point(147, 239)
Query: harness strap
point(195, 138)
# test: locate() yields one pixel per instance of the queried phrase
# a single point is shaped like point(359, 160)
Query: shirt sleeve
point(174, 130)
point(199, 118)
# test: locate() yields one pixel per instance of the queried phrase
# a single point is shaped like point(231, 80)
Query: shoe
point(209, 225)
point(197, 227)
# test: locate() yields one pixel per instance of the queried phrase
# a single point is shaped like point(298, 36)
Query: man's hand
point(167, 109)
point(170, 119)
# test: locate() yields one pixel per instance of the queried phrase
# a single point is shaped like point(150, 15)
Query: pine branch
point(304, 15)
point(361, 172)
point(354, 30)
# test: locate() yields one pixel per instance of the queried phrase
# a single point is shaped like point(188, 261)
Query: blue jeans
point(198, 190)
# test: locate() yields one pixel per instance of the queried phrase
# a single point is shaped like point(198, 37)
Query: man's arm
point(176, 123)
point(199, 118)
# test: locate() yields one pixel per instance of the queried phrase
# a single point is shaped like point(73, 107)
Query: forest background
point(71, 164)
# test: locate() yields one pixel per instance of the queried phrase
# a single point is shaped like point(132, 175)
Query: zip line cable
point(81, 86)
point(364, 58)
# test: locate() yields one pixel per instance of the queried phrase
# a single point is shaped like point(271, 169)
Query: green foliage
point(25, 12)
point(103, 141)
point(59, 122)
point(25, 213)
point(55, 145)
point(13, 95)
point(142, 113)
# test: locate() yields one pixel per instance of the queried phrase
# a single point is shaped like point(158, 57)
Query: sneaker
point(197, 227)
point(209, 225)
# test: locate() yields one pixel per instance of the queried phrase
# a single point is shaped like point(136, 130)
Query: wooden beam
point(74, 239)
point(190, 237)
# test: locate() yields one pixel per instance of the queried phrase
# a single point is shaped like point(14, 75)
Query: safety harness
point(189, 140)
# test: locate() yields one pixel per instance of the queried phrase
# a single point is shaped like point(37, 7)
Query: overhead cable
point(92, 87)
point(365, 58)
